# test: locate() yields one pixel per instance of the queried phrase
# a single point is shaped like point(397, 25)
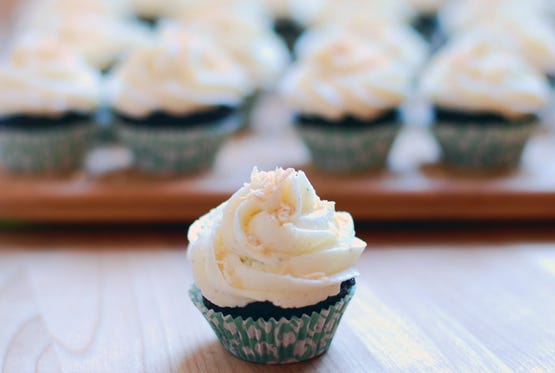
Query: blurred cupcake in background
point(248, 38)
point(486, 100)
point(345, 93)
point(176, 101)
point(48, 97)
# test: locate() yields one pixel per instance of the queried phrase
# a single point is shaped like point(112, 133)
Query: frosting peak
point(273, 240)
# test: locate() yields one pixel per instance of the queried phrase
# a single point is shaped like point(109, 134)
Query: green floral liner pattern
point(483, 145)
point(275, 341)
point(176, 150)
point(39, 151)
point(349, 149)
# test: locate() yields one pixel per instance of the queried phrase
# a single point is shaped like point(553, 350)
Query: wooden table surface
point(428, 299)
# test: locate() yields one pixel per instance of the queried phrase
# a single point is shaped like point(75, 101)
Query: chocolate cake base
point(391, 116)
point(28, 122)
point(267, 310)
point(477, 118)
point(165, 120)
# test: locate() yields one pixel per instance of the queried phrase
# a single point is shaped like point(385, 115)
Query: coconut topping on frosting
point(42, 77)
point(273, 240)
point(179, 75)
point(346, 75)
point(480, 75)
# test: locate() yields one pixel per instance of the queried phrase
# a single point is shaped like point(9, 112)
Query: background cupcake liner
point(483, 146)
point(53, 149)
point(176, 150)
point(349, 149)
point(273, 341)
point(247, 109)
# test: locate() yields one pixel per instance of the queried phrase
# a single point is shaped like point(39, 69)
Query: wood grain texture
point(412, 189)
point(97, 301)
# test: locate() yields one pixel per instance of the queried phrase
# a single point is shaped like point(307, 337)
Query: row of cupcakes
point(344, 80)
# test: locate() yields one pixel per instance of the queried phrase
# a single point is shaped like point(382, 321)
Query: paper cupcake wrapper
point(349, 149)
point(273, 341)
point(483, 146)
point(38, 151)
point(176, 150)
point(247, 108)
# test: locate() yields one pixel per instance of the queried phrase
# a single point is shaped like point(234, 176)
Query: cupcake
point(48, 96)
point(176, 101)
point(248, 39)
point(345, 94)
point(486, 101)
point(274, 269)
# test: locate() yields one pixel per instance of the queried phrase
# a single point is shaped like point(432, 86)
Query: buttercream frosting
point(400, 41)
point(42, 77)
point(346, 75)
point(179, 75)
point(274, 240)
point(251, 43)
point(480, 75)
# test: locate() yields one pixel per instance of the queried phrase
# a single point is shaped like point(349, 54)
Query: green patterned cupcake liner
point(247, 109)
point(176, 150)
point(45, 150)
point(274, 341)
point(483, 145)
point(349, 149)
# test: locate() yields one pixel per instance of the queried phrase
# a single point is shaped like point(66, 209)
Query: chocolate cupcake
point(486, 101)
point(175, 103)
point(48, 97)
point(274, 269)
point(345, 94)
point(246, 35)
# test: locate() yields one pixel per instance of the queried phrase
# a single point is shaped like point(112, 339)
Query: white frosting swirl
point(249, 41)
point(533, 39)
point(479, 75)
point(346, 75)
point(42, 77)
point(400, 41)
point(179, 75)
point(273, 240)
